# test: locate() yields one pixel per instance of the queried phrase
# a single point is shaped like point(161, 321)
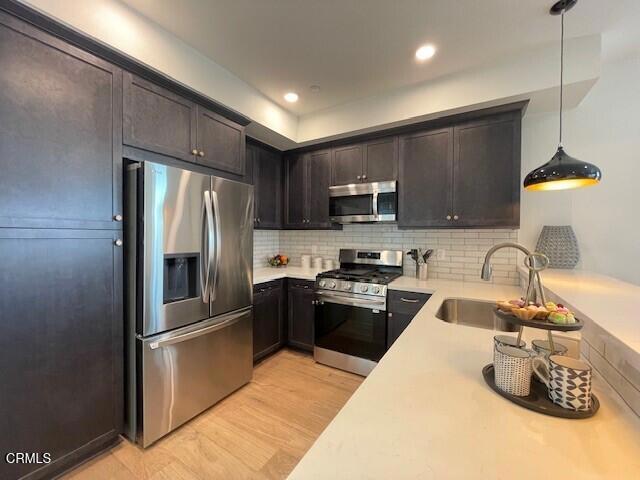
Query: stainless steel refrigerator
point(189, 254)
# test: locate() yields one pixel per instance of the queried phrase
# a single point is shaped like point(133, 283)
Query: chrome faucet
point(535, 262)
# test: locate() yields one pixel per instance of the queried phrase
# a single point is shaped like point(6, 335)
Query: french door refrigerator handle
point(230, 320)
point(218, 246)
point(206, 247)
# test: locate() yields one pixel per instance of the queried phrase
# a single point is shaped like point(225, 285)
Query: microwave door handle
point(375, 204)
point(205, 247)
point(218, 243)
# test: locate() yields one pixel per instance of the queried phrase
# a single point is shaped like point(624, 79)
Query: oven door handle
point(374, 205)
point(352, 302)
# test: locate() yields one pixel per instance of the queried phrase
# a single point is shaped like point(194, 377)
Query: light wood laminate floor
point(259, 432)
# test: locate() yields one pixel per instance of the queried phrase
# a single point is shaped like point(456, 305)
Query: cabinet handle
point(455, 217)
point(364, 177)
point(117, 218)
point(409, 300)
point(201, 153)
point(389, 314)
point(194, 152)
point(448, 217)
point(358, 177)
point(118, 243)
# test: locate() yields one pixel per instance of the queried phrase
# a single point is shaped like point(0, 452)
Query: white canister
point(306, 261)
point(329, 264)
point(317, 263)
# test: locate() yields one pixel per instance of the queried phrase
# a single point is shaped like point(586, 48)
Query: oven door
point(351, 324)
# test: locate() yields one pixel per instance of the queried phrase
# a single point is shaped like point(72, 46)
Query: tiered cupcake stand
point(538, 400)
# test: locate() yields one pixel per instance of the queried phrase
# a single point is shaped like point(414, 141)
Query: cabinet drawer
point(299, 283)
point(406, 302)
point(266, 286)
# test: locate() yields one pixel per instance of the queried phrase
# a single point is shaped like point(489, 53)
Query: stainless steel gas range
point(350, 309)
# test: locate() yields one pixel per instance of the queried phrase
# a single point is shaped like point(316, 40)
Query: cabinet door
point(396, 324)
point(318, 181)
point(424, 183)
point(61, 346)
point(221, 142)
point(301, 314)
point(60, 133)
point(158, 120)
point(486, 188)
point(268, 188)
point(296, 197)
point(346, 165)
point(267, 321)
point(381, 160)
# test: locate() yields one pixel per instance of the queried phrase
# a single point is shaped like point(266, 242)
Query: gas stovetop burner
point(362, 272)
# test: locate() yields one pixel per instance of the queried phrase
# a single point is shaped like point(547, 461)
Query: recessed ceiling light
point(425, 52)
point(291, 97)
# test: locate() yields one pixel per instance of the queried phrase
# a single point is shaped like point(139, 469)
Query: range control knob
point(346, 286)
point(375, 289)
point(332, 285)
point(364, 288)
point(322, 283)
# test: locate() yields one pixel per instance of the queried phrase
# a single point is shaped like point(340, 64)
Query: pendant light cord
point(561, 71)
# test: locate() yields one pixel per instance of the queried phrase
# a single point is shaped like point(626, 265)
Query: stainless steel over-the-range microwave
point(363, 202)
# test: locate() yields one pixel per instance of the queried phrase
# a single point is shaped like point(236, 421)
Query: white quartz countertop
point(266, 274)
point(612, 304)
point(425, 412)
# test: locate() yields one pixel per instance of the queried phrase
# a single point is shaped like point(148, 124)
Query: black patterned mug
point(567, 379)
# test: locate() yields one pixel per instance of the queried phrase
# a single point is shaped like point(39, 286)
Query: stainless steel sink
point(473, 313)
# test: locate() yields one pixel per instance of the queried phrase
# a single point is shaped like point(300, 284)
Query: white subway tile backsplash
point(464, 249)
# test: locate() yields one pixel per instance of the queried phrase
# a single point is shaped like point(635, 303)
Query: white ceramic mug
point(567, 379)
point(508, 341)
point(542, 347)
point(512, 367)
point(317, 263)
point(329, 264)
point(306, 261)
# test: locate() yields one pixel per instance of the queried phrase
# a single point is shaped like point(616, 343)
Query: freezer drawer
point(186, 371)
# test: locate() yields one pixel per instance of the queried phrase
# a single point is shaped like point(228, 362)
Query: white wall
point(604, 129)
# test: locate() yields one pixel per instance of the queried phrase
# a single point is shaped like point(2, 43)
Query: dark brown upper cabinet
point(424, 183)
point(373, 161)
point(60, 133)
point(307, 182)
point(221, 142)
point(466, 175)
point(159, 121)
point(486, 170)
point(347, 165)
point(267, 181)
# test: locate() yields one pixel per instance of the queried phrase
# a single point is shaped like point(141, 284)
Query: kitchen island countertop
point(425, 412)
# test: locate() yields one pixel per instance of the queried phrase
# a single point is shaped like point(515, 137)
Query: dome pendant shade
point(561, 173)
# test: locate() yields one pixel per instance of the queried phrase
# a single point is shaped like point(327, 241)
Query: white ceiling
point(357, 48)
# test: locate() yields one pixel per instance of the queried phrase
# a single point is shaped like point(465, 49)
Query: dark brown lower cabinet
point(61, 349)
point(401, 308)
point(300, 313)
point(268, 318)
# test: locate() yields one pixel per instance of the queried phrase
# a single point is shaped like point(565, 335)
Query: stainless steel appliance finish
point(185, 371)
point(350, 309)
point(363, 202)
point(189, 295)
point(473, 313)
point(389, 258)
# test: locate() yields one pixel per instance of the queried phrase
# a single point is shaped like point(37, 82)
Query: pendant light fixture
point(562, 171)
